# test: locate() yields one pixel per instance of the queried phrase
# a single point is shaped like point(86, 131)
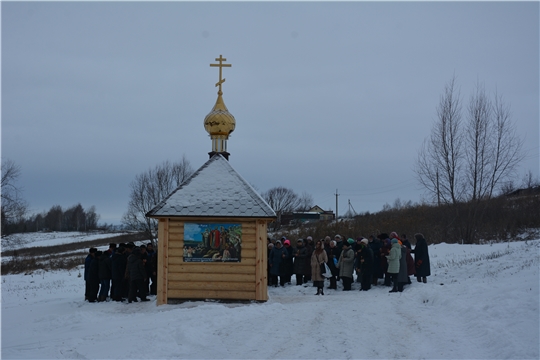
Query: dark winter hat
point(92, 251)
point(98, 253)
point(112, 245)
point(136, 251)
point(345, 244)
point(130, 245)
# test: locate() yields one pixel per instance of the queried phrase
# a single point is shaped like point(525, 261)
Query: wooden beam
point(261, 281)
point(222, 268)
point(213, 285)
point(211, 294)
point(208, 277)
point(163, 263)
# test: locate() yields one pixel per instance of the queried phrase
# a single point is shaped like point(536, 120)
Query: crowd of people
point(123, 272)
point(378, 260)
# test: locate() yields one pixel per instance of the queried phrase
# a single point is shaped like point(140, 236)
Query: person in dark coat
point(105, 275)
point(385, 251)
point(153, 272)
point(333, 256)
point(289, 265)
point(270, 247)
point(366, 265)
point(403, 278)
point(375, 245)
point(277, 258)
point(411, 269)
point(93, 277)
point(421, 258)
point(118, 269)
point(406, 241)
point(300, 259)
point(309, 247)
point(137, 276)
point(87, 262)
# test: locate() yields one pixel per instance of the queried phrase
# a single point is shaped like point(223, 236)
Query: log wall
point(245, 280)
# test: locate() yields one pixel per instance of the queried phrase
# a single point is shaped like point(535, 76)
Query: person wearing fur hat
point(421, 258)
point(346, 266)
point(393, 263)
point(317, 258)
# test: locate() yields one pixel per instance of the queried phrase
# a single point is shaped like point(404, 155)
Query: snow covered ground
point(481, 302)
point(25, 240)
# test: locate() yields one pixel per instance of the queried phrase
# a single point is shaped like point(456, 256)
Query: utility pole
point(336, 205)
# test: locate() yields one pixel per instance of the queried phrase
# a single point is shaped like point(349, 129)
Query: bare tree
point(468, 161)
point(439, 162)
point(149, 188)
point(305, 202)
point(14, 207)
point(281, 200)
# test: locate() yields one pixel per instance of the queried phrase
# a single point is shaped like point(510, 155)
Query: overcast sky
point(326, 95)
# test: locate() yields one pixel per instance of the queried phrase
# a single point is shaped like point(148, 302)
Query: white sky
point(326, 95)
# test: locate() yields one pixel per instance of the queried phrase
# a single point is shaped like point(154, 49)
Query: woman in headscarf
point(317, 258)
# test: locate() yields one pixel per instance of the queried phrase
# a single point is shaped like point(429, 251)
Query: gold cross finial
point(220, 65)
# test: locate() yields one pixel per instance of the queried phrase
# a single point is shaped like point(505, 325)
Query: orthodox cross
point(220, 65)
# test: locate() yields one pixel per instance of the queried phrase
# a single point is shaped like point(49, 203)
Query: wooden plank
point(211, 294)
point(216, 285)
point(179, 260)
point(179, 252)
point(209, 277)
point(214, 269)
point(261, 286)
point(163, 263)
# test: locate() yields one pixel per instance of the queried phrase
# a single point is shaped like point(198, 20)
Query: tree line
point(14, 210)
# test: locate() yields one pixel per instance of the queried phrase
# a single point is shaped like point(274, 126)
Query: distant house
point(316, 213)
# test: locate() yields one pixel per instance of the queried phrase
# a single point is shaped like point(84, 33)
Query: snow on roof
point(215, 190)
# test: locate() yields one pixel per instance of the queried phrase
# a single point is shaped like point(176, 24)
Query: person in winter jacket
point(105, 275)
point(332, 254)
point(93, 277)
point(421, 258)
point(87, 262)
point(346, 265)
point(317, 258)
point(288, 261)
point(277, 258)
point(366, 265)
point(309, 247)
point(393, 263)
point(137, 276)
point(300, 259)
point(402, 275)
point(118, 269)
point(375, 245)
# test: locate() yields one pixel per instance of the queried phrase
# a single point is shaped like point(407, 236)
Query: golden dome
point(219, 121)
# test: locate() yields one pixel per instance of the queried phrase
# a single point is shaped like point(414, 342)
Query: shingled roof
point(215, 190)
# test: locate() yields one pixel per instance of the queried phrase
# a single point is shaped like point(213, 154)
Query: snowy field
point(481, 302)
point(26, 240)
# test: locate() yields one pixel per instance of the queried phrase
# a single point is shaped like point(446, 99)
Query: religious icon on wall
point(211, 242)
